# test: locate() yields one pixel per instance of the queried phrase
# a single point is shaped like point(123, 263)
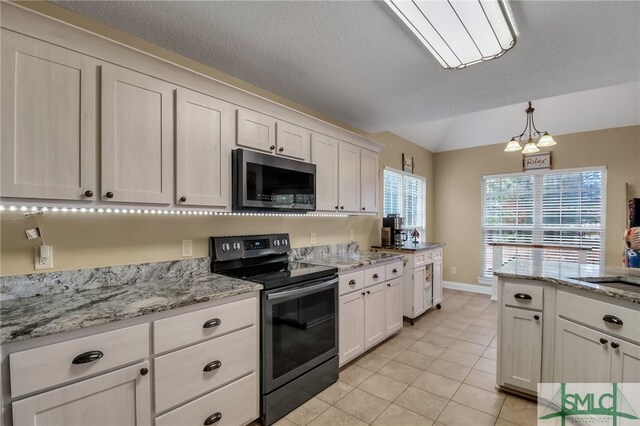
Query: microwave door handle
point(302, 291)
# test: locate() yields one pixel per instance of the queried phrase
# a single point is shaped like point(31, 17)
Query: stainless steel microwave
point(265, 182)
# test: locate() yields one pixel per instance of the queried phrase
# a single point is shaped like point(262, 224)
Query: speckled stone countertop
point(573, 275)
point(64, 307)
point(410, 247)
point(353, 260)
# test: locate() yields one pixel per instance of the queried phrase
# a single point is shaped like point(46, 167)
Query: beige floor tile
point(362, 405)
point(468, 347)
point(395, 415)
point(462, 316)
point(491, 353)
point(415, 359)
point(425, 326)
point(475, 311)
point(454, 324)
point(503, 422)
point(481, 380)
point(438, 339)
point(486, 323)
point(427, 348)
point(448, 369)
point(421, 402)
point(436, 384)
point(485, 401)
point(494, 342)
point(446, 331)
point(336, 417)
point(308, 411)
point(387, 352)
point(399, 342)
point(354, 375)
point(412, 332)
point(372, 361)
point(487, 365)
point(383, 386)
point(473, 337)
point(282, 422)
point(485, 331)
point(455, 414)
point(335, 392)
point(400, 372)
point(457, 357)
point(519, 411)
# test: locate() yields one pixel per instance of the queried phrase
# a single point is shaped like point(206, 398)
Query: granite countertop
point(409, 246)
point(574, 275)
point(58, 311)
point(352, 260)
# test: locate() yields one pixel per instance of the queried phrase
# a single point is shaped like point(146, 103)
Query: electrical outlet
point(187, 248)
point(453, 269)
point(351, 235)
point(42, 262)
point(312, 238)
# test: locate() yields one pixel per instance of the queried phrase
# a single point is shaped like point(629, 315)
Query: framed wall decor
point(407, 163)
point(537, 161)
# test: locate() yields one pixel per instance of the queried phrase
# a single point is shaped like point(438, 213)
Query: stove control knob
point(284, 242)
point(236, 246)
point(276, 243)
point(225, 247)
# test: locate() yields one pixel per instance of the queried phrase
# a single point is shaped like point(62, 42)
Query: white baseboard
point(473, 288)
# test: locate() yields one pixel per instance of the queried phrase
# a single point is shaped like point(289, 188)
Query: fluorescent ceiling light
point(459, 33)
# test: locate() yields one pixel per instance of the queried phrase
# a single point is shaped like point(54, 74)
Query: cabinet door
point(393, 307)
point(48, 147)
point(349, 177)
point(580, 356)
point(374, 315)
point(292, 141)
point(118, 398)
point(137, 137)
point(351, 330)
point(437, 283)
point(521, 342)
point(625, 362)
point(418, 291)
point(369, 181)
point(324, 154)
point(256, 131)
point(204, 138)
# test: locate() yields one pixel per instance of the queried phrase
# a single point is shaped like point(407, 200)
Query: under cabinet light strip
point(160, 212)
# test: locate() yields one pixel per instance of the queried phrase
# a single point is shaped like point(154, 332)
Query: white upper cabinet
point(349, 177)
point(324, 154)
point(205, 134)
point(292, 141)
point(256, 131)
point(48, 118)
point(369, 181)
point(137, 137)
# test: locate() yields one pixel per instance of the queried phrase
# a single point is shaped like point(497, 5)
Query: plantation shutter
point(405, 194)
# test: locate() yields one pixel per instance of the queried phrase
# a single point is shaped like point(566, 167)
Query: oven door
point(299, 330)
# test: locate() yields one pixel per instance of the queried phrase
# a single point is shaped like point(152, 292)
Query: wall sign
point(407, 163)
point(536, 161)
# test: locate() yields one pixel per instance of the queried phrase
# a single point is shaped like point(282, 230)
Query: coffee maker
point(394, 221)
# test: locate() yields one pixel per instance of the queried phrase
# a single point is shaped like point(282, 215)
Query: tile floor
point(441, 371)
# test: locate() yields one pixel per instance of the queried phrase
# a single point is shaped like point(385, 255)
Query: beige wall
point(458, 190)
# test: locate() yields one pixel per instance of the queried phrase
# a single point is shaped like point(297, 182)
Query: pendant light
point(535, 139)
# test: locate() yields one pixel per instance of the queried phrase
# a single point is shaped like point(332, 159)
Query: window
point(405, 194)
point(564, 207)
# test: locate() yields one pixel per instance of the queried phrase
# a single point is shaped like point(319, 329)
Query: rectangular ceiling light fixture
point(459, 33)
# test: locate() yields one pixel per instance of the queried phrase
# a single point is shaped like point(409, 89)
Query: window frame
point(422, 229)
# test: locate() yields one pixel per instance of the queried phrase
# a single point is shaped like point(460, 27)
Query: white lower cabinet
point(625, 363)
point(117, 398)
point(370, 313)
point(582, 355)
point(521, 348)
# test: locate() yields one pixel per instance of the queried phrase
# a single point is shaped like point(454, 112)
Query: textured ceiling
point(354, 61)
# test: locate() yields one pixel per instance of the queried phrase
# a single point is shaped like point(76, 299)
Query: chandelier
point(534, 138)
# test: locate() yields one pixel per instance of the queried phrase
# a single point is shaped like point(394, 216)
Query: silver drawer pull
point(87, 357)
point(212, 323)
point(213, 365)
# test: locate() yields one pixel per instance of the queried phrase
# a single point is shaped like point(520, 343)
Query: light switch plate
point(351, 235)
point(312, 238)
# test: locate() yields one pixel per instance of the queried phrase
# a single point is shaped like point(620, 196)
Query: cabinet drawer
point(182, 330)
point(180, 375)
point(237, 404)
point(437, 254)
point(592, 313)
point(350, 282)
point(393, 271)
point(52, 365)
point(522, 296)
point(373, 276)
point(419, 259)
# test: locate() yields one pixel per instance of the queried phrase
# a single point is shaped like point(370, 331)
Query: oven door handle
point(302, 291)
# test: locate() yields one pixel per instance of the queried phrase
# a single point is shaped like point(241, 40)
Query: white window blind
point(565, 207)
point(405, 194)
